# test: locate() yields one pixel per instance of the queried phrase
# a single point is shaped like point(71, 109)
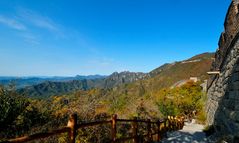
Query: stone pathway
point(191, 133)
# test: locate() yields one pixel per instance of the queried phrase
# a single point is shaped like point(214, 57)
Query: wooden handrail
point(124, 139)
point(38, 136)
point(89, 124)
point(139, 121)
point(169, 124)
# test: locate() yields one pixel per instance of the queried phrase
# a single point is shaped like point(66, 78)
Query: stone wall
point(223, 91)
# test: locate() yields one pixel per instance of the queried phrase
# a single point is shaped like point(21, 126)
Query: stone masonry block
point(235, 76)
point(229, 104)
point(236, 116)
point(234, 95)
point(236, 68)
point(237, 106)
point(235, 85)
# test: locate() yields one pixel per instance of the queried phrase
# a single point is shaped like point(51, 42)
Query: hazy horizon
point(97, 74)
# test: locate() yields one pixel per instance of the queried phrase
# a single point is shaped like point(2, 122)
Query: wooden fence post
point(149, 130)
point(165, 129)
point(135, 130)
point(169, 124)
point(159, 132)
point(176, 123)
point(173, 123)
point(165, 126)
point(113, 128)
point(72, 123)
point(182, 123)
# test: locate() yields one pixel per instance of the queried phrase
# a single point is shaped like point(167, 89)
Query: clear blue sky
point(70, 37)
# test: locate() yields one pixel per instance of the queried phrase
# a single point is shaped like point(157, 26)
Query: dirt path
point(191, 133)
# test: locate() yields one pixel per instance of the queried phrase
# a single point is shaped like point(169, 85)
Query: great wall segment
point(223, 87)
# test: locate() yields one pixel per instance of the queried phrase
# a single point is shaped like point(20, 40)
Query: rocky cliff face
point(123, 77)
point(223, 90)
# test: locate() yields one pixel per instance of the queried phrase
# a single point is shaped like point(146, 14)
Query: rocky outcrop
point(223, 90)
point(116, 78)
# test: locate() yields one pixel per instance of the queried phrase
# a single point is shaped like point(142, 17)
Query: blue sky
point(70, 37)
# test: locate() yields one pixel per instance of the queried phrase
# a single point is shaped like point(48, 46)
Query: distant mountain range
point(163, 76)
point(21, 82)
point(50, 87)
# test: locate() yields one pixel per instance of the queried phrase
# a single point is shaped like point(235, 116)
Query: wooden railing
point(162, 127)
